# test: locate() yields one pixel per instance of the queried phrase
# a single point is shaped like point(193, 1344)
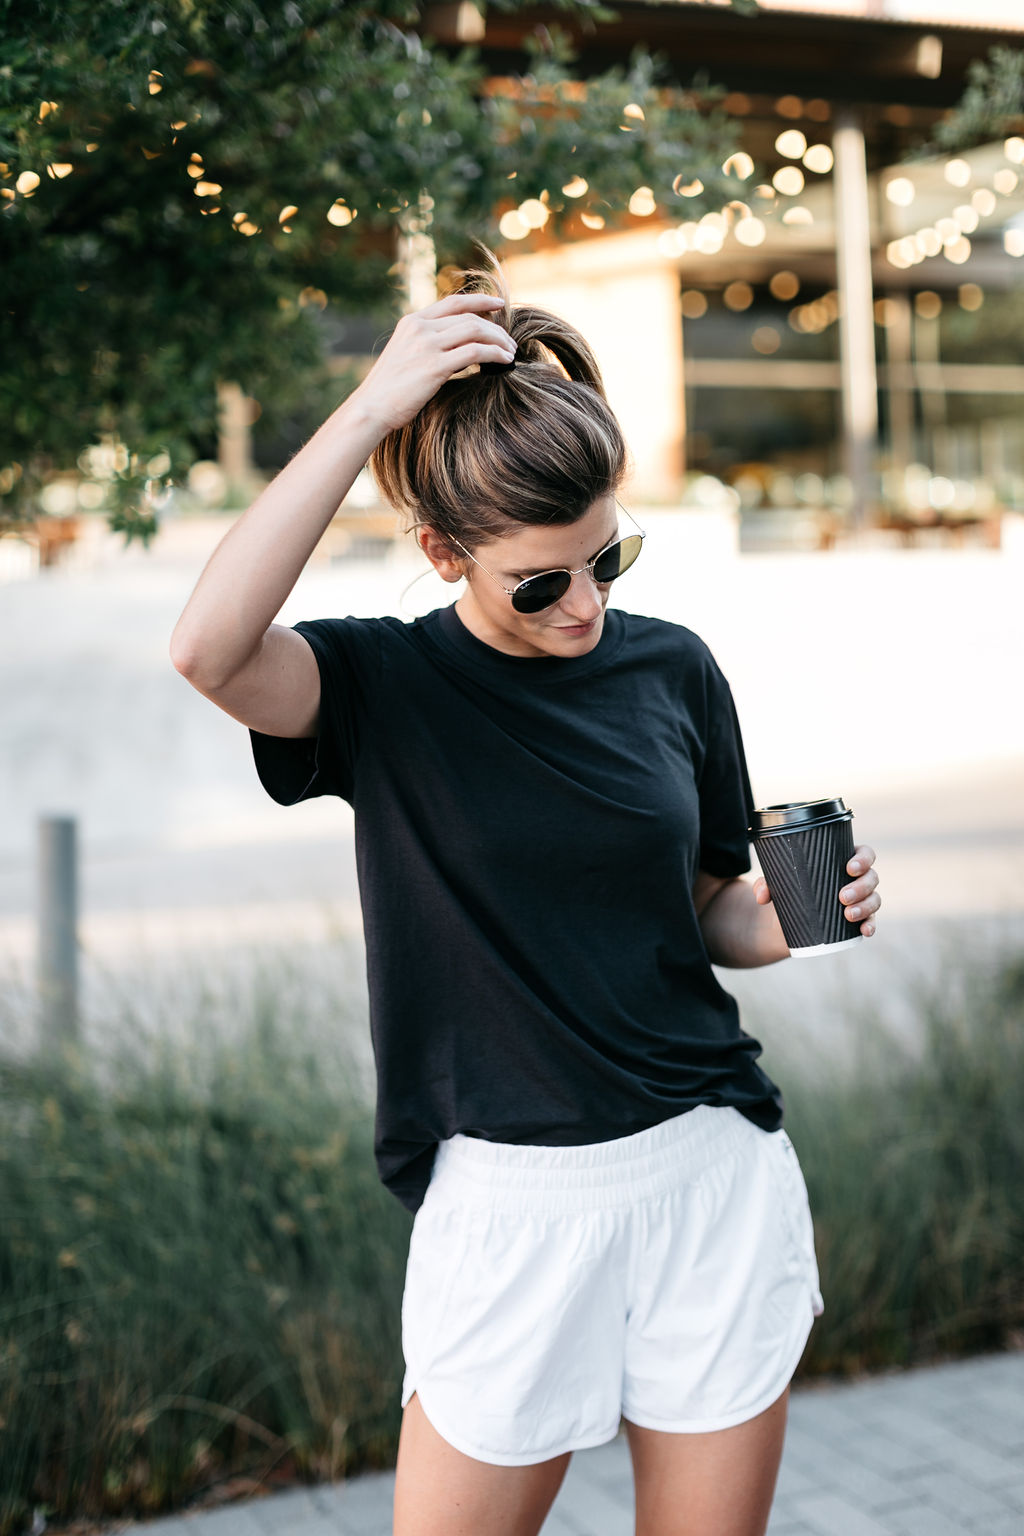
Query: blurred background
point(794, 234)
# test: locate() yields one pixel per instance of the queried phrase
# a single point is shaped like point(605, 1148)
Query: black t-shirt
point(528, 832)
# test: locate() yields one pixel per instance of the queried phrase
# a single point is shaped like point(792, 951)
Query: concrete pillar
point(901, 389)
point(623, 295)
point(417, 257)
point(58, 936)
point(856, 310)
point(234, 437)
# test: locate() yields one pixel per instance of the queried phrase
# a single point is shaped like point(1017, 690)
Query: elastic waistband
point(599, 1176)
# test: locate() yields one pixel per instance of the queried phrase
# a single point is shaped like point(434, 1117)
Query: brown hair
point(533, 444)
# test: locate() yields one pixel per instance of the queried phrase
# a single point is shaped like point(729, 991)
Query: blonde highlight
point(536, 444)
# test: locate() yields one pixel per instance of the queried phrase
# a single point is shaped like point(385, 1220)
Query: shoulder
point(660, 638)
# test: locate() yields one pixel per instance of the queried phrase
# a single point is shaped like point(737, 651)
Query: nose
point(584, 599)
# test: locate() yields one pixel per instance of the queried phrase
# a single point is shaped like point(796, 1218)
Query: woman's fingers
point(424, 351)
point(455, 330)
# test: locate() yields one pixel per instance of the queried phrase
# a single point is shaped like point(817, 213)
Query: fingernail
point(855, 866)
point(846, 895)
point(855, 911)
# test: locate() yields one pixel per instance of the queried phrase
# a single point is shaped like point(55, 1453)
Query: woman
point(551, 809)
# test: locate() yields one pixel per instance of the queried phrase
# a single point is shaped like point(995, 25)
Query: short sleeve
point(726, 799)
point(291, 769)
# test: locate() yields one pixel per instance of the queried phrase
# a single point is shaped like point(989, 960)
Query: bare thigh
point(441, 1492)
point(719, 1484)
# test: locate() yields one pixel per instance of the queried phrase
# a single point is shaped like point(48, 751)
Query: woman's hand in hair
point(426, 348)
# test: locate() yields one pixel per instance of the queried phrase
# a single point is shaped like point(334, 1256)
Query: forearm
point(739, 932)
point(258, 561)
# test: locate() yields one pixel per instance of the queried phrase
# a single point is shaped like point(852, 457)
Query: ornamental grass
point(200, 1275)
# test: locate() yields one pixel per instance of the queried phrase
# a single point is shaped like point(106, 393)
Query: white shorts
point(669, 1277)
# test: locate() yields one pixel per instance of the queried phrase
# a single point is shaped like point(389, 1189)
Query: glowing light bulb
point(819, 159)
point(750, 231)
point(533, 213)
point(684, 188)
point(739, 165)
point(791, 143)
point(901, 191)
point(789, 181)
point(576, 187)
point(642, 203)
point(957, 172)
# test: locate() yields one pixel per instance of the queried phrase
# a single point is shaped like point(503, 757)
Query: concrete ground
point(937, 1451)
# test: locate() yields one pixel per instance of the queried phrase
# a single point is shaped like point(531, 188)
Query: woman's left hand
point(860, 897)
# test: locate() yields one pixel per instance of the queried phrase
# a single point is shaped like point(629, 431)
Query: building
point(851, 333)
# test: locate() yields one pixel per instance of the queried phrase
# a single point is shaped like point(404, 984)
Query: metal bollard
point(58, 937)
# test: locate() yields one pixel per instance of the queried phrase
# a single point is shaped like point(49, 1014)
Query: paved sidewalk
point(937, 1451)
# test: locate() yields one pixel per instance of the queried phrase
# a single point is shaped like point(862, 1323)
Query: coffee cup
point(803, 849)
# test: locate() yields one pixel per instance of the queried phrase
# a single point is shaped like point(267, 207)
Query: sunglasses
point(549, 587)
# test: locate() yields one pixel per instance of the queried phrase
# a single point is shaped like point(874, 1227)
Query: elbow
point(184, 654)
point(192, 659)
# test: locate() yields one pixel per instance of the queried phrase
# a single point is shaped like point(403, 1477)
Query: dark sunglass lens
point(618, 558)
point(539, 592)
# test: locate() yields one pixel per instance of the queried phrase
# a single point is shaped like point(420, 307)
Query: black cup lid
point(798, 813)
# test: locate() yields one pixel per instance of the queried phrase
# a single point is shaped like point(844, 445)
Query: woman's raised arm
point(225, 642)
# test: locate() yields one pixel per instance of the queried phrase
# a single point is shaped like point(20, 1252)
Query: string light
point(708, 239)
point(901, 191)
point(971, 296)
point(59, 169)
point(642, 203)
point(957, 172)
point(1013, 149)
point(738, 296)
point(634, 110)
point(739, 165)
point(788, 180)
point(798, 215)
point(958, 251)
point(750, 231)
point(791, 143)
point(1013, 242)
point(983, 202)
point(1005, 181)
point(693, 304)
point(593, 220)
point(533, 213)
point(27, 183)
point(927, 304)
point(966, 217)
point(340, 214)
point(766, 340)
point(929, 241)
point(576, 187)
point(684, 188)
point(784, 285)
point(819, 159)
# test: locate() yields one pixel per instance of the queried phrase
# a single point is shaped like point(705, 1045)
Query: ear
point(447, 562)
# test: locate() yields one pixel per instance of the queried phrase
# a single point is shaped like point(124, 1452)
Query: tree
point(187, 184)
